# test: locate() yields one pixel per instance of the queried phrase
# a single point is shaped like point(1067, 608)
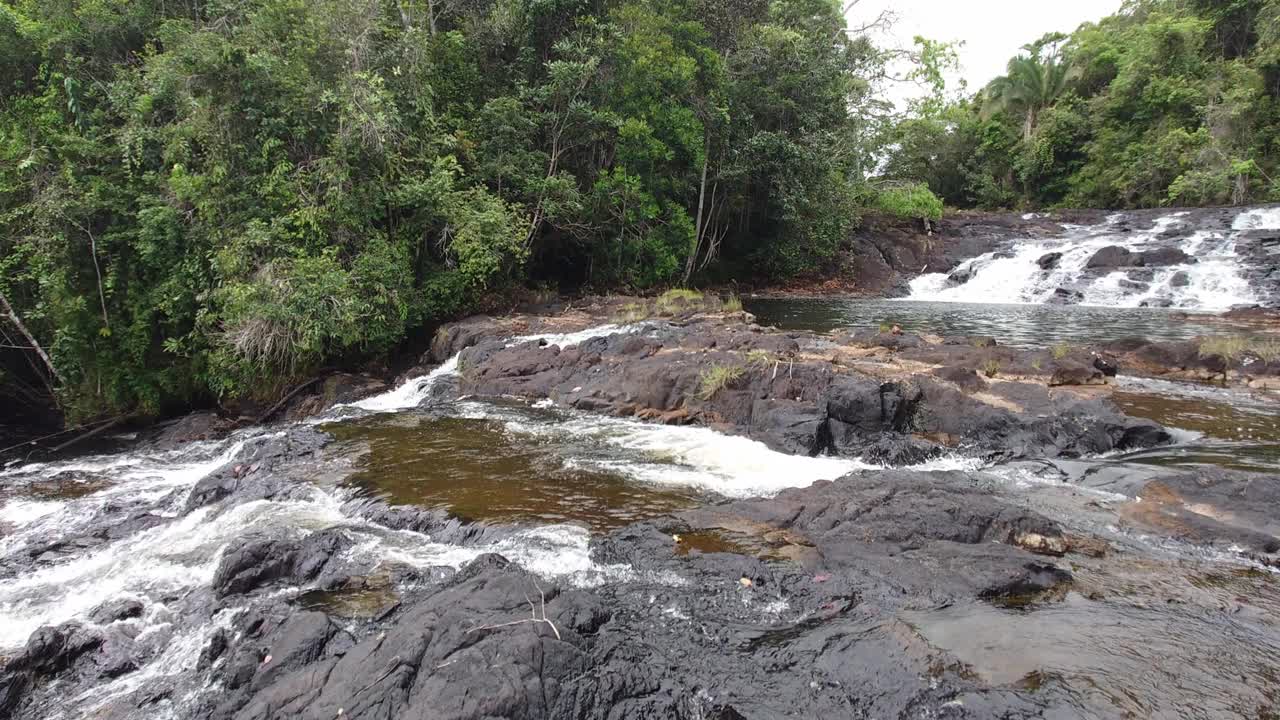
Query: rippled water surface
point(1015, 325)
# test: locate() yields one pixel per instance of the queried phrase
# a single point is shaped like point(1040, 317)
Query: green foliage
point(1060, 350)
point(732, 304)
point(910, 202)
point(1164, 103)
point(208, 201)
point(716, 378)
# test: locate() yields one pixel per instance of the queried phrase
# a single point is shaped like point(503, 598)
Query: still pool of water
point(480, 471)
point(1014, 325)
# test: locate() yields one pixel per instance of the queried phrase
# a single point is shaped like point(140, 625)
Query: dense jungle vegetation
point(1168, 102)
point(212, 198)
point(208, 200)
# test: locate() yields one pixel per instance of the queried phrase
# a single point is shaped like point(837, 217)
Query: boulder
point(1049, 261)
point(1064, 296)
point(965, 378)
point(1164, 257)
point(1112, 256)
point(1070, 373)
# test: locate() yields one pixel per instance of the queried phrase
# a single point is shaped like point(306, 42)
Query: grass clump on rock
point(674, 300)
point(1235, 347)
point(716, 378)
point(991, 368)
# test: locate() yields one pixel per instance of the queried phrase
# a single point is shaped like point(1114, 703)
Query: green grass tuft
point(631, 313)
point(1236, 347)
point(991, 368)
point(733, 303)
point(1061, 350)
point(716, 378)
point(672, 301)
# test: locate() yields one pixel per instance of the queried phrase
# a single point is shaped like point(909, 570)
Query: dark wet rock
point(1065, 296)
point(790, 398)
point(1180, 279)
point(193, 427)
point(495, 641)
point(962, 275)
point(253, 561)
point(261, 471)
point(336, 389)
point(1112, 256)
point(1164, 257)
point(1069, 373)
point(114, 610)
point(435, 522)
point(797, 427)
point(1105, 365)
point(1213, 506)
point(1049, 261)
point(888, 340)
point(966, 379)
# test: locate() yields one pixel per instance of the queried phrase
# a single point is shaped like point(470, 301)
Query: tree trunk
point(702, 198)
point(17, 322)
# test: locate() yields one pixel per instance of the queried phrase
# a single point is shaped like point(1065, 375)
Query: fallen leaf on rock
point(821, 578)
point(746, 582)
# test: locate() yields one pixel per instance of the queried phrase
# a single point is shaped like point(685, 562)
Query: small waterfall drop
point(1112, 265)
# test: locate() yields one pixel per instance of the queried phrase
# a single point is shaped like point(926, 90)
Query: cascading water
point(50, 573)
point(1170, 264)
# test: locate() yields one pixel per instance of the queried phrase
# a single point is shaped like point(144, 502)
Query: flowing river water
point(1184, 631)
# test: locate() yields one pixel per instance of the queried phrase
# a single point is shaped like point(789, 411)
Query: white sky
point(992, 30)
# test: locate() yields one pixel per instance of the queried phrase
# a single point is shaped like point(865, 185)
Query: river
point(1184, 630)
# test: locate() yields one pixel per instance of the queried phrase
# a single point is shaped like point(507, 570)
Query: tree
point(1031, 84)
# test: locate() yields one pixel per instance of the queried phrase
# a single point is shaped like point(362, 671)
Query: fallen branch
point(292, 394)
point(17, 322)
point(42, 438)
point(533, 619)
point(107, 425)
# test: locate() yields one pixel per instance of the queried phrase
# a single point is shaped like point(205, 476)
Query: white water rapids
point(161, 564)
point(1211, 281)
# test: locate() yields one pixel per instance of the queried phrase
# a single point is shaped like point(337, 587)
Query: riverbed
point(418, 483)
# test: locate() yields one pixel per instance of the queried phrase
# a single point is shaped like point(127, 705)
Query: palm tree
point(1031, 85)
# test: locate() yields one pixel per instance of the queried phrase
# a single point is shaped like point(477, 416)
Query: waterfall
point(1170, 264)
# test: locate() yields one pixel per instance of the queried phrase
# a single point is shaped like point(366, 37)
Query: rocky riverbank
point(856, 597)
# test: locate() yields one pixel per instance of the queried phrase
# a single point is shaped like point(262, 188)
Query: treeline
point(1168, 102)
point(207, 199)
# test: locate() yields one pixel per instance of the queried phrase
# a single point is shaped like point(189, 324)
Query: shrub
point(911, 201)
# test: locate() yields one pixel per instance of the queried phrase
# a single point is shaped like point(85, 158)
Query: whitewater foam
point(1211, 281)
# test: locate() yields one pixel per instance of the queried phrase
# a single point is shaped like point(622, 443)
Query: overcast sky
point(992, 30)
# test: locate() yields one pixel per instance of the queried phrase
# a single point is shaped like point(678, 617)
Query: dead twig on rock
point(533, 619)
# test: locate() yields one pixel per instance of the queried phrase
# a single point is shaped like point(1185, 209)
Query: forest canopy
point(1168, 102)
point(211, 199)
